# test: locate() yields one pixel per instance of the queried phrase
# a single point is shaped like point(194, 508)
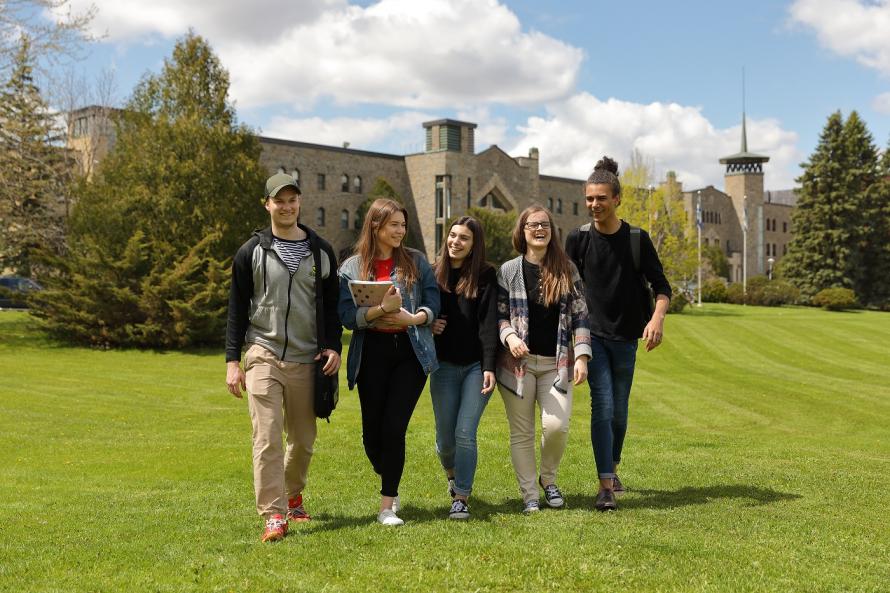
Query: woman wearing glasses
point(543, 326)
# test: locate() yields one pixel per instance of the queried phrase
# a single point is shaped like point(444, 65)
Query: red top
point(382, 270)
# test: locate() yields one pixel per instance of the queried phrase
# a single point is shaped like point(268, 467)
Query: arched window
point(319, 217)
point(295, 173)
point(344, 182)
point(344, 219)
point(357, 184)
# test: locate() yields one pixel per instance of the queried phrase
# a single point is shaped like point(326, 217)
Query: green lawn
point(758, 459)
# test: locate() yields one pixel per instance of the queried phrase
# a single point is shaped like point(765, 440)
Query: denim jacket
point(423, 296)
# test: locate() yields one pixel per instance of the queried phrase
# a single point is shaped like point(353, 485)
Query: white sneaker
point(388, 517)
point(396, 504)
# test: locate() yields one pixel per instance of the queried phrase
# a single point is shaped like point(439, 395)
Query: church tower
point(743, 182)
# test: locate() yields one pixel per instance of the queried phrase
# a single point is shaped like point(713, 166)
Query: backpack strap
point(319, 301)
point(635, 247)
point(581, 249)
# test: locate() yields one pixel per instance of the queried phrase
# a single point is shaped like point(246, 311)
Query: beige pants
point(556, 408)
point(279, 398)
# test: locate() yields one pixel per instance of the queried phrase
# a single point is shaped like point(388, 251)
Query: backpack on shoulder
point(635, 233)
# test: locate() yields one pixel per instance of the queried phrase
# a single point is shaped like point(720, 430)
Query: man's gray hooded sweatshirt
point(275, 309)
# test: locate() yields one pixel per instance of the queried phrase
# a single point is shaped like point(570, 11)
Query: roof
point(448, 122)
point(266, 139)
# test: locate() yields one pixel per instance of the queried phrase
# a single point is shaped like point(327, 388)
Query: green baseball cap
point(278, 182)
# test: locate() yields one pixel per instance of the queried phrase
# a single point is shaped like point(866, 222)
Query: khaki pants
point(556, 409)
point(280, 399)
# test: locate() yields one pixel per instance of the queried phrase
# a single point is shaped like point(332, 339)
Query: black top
point(612, 287)
point(471, 331)
point(543, 322)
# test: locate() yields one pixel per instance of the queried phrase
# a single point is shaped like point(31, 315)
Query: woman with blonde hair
point(391, 351)
point(544, 330)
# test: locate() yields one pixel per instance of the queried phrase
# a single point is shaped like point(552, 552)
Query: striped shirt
point(291, 252)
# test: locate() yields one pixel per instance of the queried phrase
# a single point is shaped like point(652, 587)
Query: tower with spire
point(743, 182)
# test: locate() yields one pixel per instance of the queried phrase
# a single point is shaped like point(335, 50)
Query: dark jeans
point(610, 374)
point(390, 381)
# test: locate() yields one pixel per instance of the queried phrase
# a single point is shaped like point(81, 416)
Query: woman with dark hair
point(543, 326)
point(466, 345)
point(391, 351)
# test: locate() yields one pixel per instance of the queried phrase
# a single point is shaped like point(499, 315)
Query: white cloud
point(579, 131)
point(851, 28)
point(407, 53)
point(881, 103)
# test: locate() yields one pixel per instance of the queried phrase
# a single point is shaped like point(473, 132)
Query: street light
point(770, 261)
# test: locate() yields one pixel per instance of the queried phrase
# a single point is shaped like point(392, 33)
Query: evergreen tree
point(152, 233)
point(837, 218)
point(33, 170)
point(821, 253)
point(874, 281)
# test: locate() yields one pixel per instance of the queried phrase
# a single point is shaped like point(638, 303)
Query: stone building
point(743, 218)
point(449, 177)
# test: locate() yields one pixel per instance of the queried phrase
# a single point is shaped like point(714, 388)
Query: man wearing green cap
point(272, 311)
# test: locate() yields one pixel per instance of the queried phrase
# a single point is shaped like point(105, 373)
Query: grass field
point(758, 459)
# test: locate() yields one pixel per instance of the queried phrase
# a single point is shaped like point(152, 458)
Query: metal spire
point(744, 131)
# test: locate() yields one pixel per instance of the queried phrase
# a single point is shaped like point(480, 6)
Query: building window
point(320, 182)
point(784, 227)
point(357, 184)
point(295, 174)
point(344, 183)
point(319, 217)
point(550, 204)
point(449, 138)
point(469, 192)
point(716, 242)
point(559, 206)
point(344, 219)
point(357, 221)
point(785, 249)
point(575, 208)
point(706, 241)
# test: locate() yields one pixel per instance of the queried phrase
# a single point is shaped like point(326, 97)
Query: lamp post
point(698, 225)
point(770, 261)
point(745, 244)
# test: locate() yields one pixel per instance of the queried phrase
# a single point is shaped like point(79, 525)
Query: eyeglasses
point(531, 226)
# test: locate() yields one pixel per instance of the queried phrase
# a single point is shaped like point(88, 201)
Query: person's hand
point(580, 374)
point(235, 379)
point(438, 326)
point(402, 319)
point(517, 347)
point(332, 366)
point(392, 300)
point(653, 333)
point(488, 382)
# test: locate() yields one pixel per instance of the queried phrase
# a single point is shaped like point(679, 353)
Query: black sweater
point(471, 331)
point(612, 287)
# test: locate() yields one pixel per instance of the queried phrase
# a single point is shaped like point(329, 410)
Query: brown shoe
point(605, 501)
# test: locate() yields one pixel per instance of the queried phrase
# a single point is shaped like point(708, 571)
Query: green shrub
point(714, 291)
point(835, 299)
point(679, 300)
point(777, 293)
point(735, 294)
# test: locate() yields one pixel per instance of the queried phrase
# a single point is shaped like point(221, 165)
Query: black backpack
point(581, 253)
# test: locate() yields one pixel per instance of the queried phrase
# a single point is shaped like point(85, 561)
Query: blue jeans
point(610, 374)
point(458, 404)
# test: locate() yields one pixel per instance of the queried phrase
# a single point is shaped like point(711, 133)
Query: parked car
point(13, 290)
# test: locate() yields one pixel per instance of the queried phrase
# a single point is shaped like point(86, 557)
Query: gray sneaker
point(605, 501)
point(459, 510)
point(552, 495)
point(531, 507)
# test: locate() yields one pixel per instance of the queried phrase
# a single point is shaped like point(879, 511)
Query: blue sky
point(575, 79)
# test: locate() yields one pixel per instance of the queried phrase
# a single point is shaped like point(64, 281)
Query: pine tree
point(33, 170)
point(153, 232)
point(874, 281)
point(822, 252)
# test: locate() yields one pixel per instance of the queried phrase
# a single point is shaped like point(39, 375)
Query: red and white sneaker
point(295, 510)
point(276, 529)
